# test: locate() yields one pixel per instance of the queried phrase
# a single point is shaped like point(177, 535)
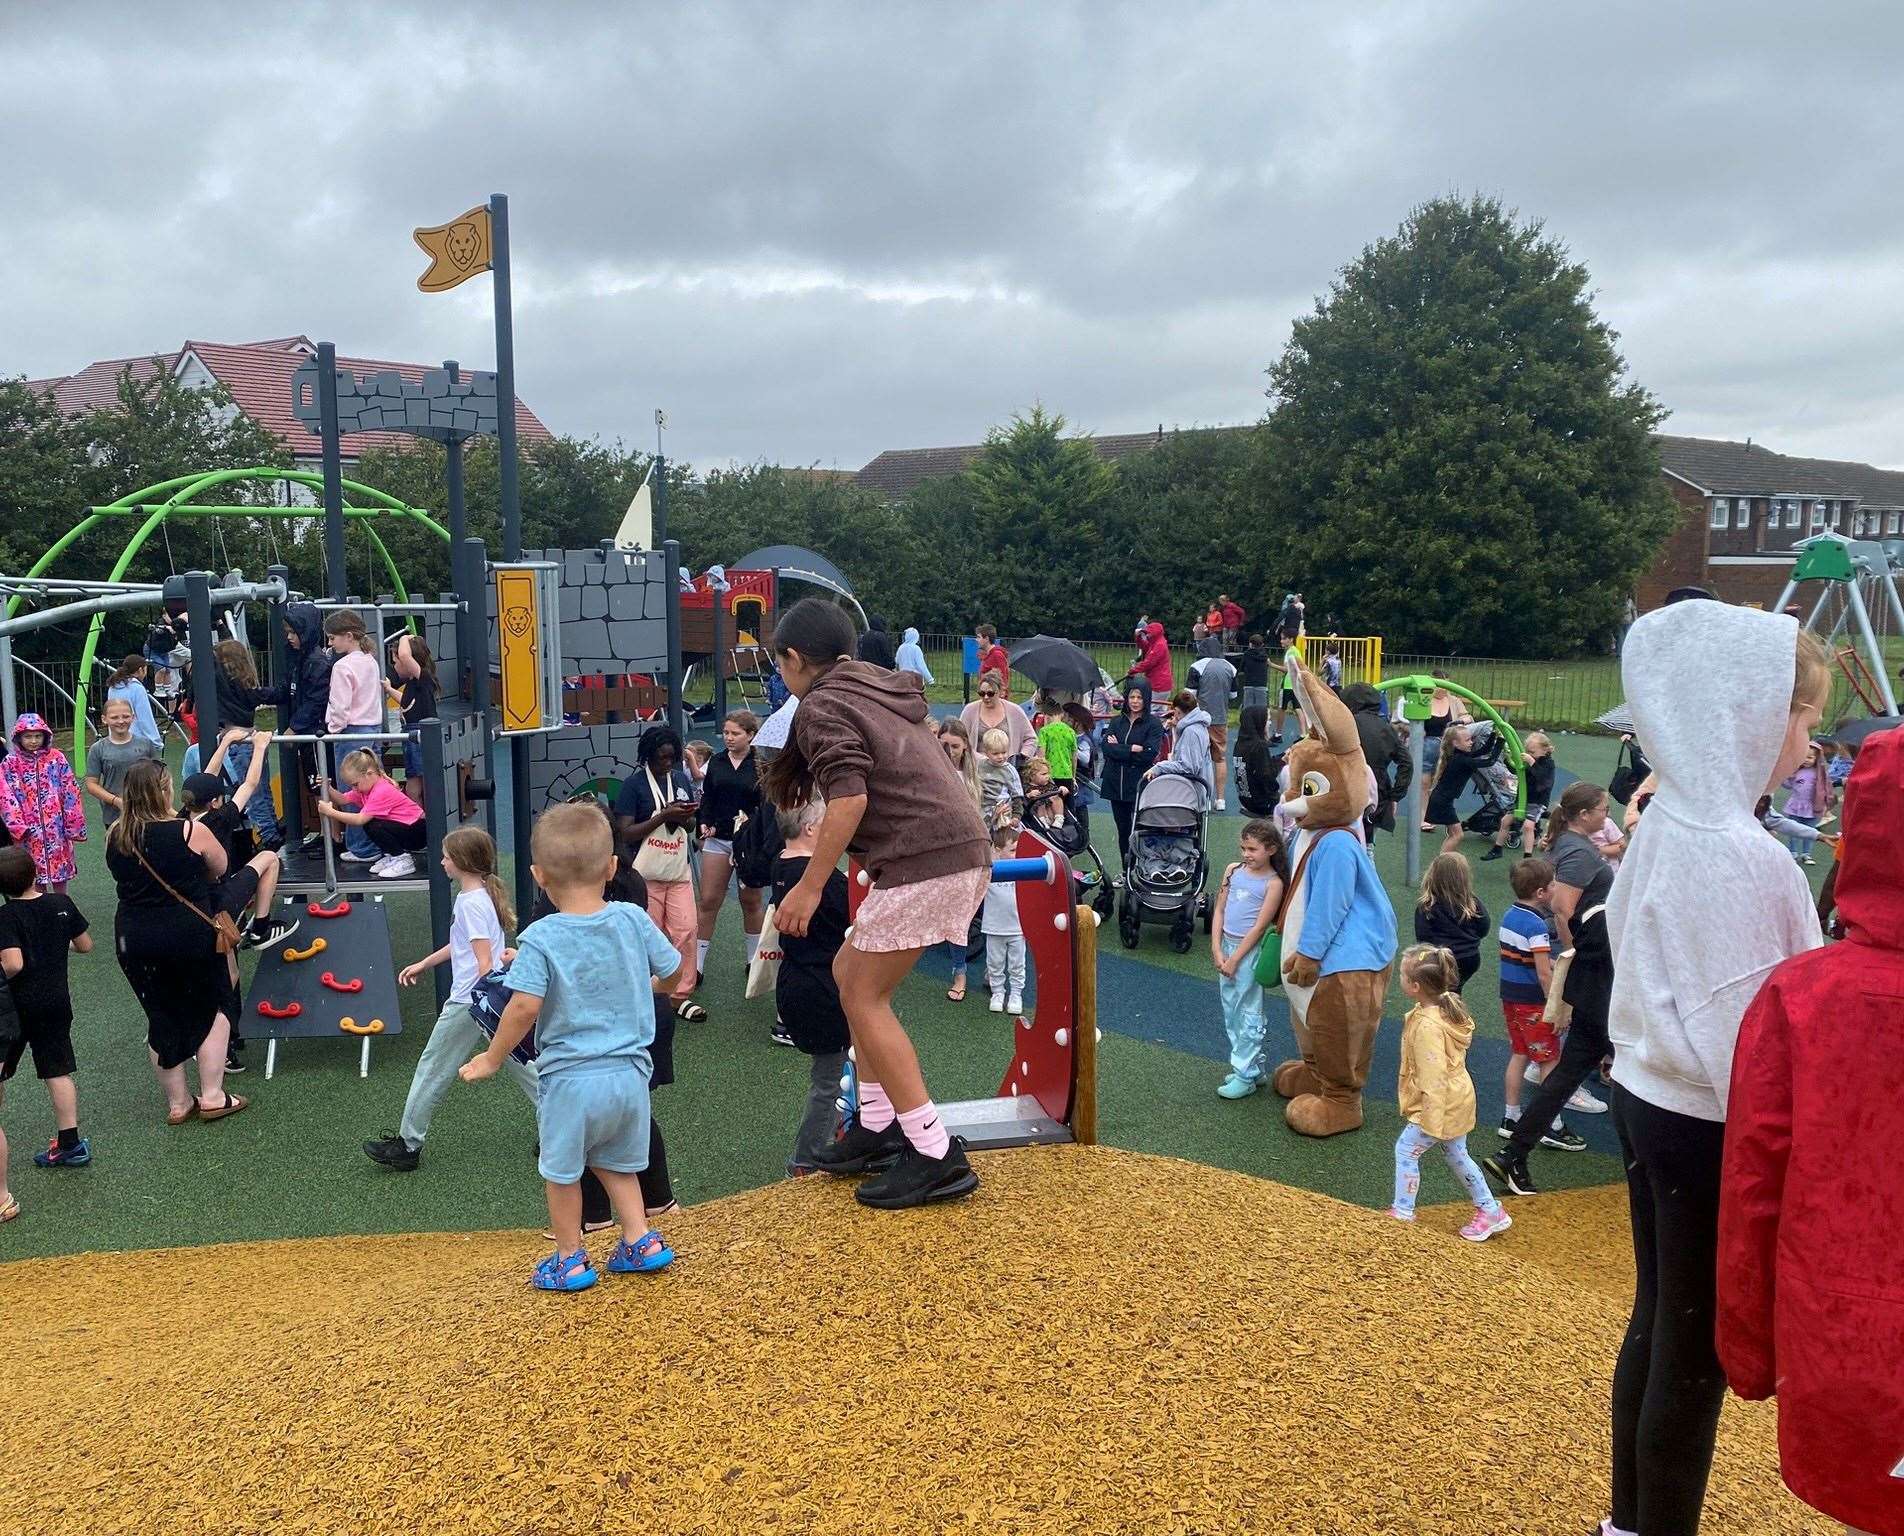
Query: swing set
point(1857, 612)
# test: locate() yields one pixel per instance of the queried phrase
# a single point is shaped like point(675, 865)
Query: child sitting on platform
point(1435, 1093)
point(390, 818)
point(584, 980)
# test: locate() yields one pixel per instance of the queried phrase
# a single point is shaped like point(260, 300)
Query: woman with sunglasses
point(992, 711)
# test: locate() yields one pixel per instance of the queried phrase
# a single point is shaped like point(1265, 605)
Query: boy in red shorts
point(1527, 970)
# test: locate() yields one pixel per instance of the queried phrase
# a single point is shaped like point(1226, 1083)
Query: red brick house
point(1745, 507)
point(257, 376)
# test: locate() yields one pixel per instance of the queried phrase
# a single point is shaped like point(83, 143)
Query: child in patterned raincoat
point(41, 801)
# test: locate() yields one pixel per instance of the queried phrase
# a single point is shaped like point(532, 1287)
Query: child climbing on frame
point(894, 801)
point(415, 694)
point(250, 882)
point(37, 933)
point(806, 994)
point(584, 980)
point(479, 924)
point(390, 818)
point(1538, 753)
point(239, 698)
point(354, 708)
point(51, 816)
point(1248, 900)
point(1435, 1093)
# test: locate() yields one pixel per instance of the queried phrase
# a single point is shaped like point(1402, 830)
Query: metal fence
point(46, 689)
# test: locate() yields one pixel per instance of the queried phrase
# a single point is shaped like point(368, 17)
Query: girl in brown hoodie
point(894, 802)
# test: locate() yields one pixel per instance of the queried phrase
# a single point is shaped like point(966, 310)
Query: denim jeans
point(356, 839)
point(1243, 1013)
point(822, 1115)
point(259, 810)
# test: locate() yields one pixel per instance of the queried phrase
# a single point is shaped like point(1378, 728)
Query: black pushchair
point(1090, 881)
point(1167, 867)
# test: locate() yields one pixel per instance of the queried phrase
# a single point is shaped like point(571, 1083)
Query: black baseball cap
point(202, 788)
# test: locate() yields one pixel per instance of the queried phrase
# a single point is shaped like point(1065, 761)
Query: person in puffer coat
point(47, 815)
point(1811, 1295)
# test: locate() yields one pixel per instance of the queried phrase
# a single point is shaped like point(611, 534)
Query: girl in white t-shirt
point(478, 931)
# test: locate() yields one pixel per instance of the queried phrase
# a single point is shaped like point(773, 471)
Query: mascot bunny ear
point(1327, 714)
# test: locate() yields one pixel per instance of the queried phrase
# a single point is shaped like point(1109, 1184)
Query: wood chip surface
point(1097, 1342)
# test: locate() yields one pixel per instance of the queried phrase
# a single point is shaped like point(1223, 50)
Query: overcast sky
point(813, 232)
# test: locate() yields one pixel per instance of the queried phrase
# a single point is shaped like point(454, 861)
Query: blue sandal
point(639, 1258)
point(559, 1273)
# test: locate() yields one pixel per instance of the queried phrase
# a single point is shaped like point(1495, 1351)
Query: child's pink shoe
point(1486, 1223)
point(1401, 1215)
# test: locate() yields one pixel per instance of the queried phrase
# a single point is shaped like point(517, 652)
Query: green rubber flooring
point(291, 1165)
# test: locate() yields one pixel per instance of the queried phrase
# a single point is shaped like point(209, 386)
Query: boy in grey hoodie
point(1705, 905)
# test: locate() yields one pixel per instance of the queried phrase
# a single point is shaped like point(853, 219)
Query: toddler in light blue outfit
point(583, 980)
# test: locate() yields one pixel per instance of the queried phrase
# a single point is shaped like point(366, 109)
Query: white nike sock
point(700, 953)
point(753, 943)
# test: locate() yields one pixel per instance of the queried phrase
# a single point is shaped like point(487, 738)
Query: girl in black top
point(1449, 914)
point(167, 945)
point(415, 668)
point(729, 791)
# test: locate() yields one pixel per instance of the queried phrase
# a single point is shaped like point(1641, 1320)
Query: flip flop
point(233, 1103)
point(10, 1209)
point(955, 997)
point(180, 1116)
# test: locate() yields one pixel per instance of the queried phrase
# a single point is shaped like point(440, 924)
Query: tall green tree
point(1455, 459)
point(1039, 499)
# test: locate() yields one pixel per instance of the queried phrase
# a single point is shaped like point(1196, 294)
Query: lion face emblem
point(463, 243)
point(519, 621)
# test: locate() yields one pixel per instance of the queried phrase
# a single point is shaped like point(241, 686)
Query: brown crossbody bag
point(220, 923)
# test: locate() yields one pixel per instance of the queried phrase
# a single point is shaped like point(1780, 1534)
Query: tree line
point(1453, 458)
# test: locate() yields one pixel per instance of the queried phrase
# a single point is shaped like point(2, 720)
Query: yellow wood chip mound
point(1098, 1341)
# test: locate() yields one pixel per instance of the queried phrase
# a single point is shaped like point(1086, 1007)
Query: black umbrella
point(1852, 732)
point(1053, 663)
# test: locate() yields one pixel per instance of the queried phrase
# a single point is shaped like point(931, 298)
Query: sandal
point(690, 1012)
point(233, 1103)
point(643, 1257)
point(180, 1116)
point(559, 1272)
point(10, 1209)
point(958, 996)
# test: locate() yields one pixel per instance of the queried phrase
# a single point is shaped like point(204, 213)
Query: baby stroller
point(1167, 869)
point(1090, 881)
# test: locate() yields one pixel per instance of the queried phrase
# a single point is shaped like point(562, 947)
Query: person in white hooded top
point(1724, 701)
point(912, 658)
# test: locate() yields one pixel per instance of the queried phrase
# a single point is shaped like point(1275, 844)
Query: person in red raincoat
point(1153, 661)
point(1811, 1230)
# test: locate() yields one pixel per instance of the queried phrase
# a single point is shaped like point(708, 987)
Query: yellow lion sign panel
point(519, 630)
point(457, 250)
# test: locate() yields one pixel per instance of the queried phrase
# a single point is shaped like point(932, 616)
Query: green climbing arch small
point(158, 504)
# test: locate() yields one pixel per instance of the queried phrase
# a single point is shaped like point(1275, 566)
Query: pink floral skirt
point(937, 911)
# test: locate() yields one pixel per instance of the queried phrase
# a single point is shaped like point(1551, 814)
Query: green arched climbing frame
point(1418, 687)
point(158, 504)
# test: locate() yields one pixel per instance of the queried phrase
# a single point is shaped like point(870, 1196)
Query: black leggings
point(656, 1188)
point(1668, 1386)
point(397, 836)
point(1121, 813)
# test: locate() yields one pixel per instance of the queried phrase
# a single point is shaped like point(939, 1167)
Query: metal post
point(9, 696)
point(505, 376)
point(671, 558)
point(280, 651)
point(436, 792)
point(477, 596)
point(198, 614)
point(660, 500)
point(1411, 803)
point(1881, 671)
point(720, 668)
point(459, 531)
point(521, 820)
point(334, 578)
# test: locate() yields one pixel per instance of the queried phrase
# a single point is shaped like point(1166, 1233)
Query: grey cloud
point(813, 232)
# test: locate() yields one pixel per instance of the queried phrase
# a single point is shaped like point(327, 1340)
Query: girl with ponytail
point(1434, 1091)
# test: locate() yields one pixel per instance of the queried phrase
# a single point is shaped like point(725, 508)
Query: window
point(1817, 515)
point(1744, 514)
point(1836, 513)
point(1791, 514)
point(1895, 523)
point(1721, 513)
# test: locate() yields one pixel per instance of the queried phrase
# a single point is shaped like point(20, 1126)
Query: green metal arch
point(1418, 686)
point(177, 497)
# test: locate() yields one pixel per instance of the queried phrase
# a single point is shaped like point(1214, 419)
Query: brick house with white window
point(1745, 507)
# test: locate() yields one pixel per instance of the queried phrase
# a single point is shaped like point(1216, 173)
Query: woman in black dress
point(167, 946)
point(729, 791)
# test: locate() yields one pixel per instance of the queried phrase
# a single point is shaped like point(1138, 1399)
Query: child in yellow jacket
point(1434, 1091)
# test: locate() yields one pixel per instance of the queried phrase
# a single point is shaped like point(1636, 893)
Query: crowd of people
point(1622, 960)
